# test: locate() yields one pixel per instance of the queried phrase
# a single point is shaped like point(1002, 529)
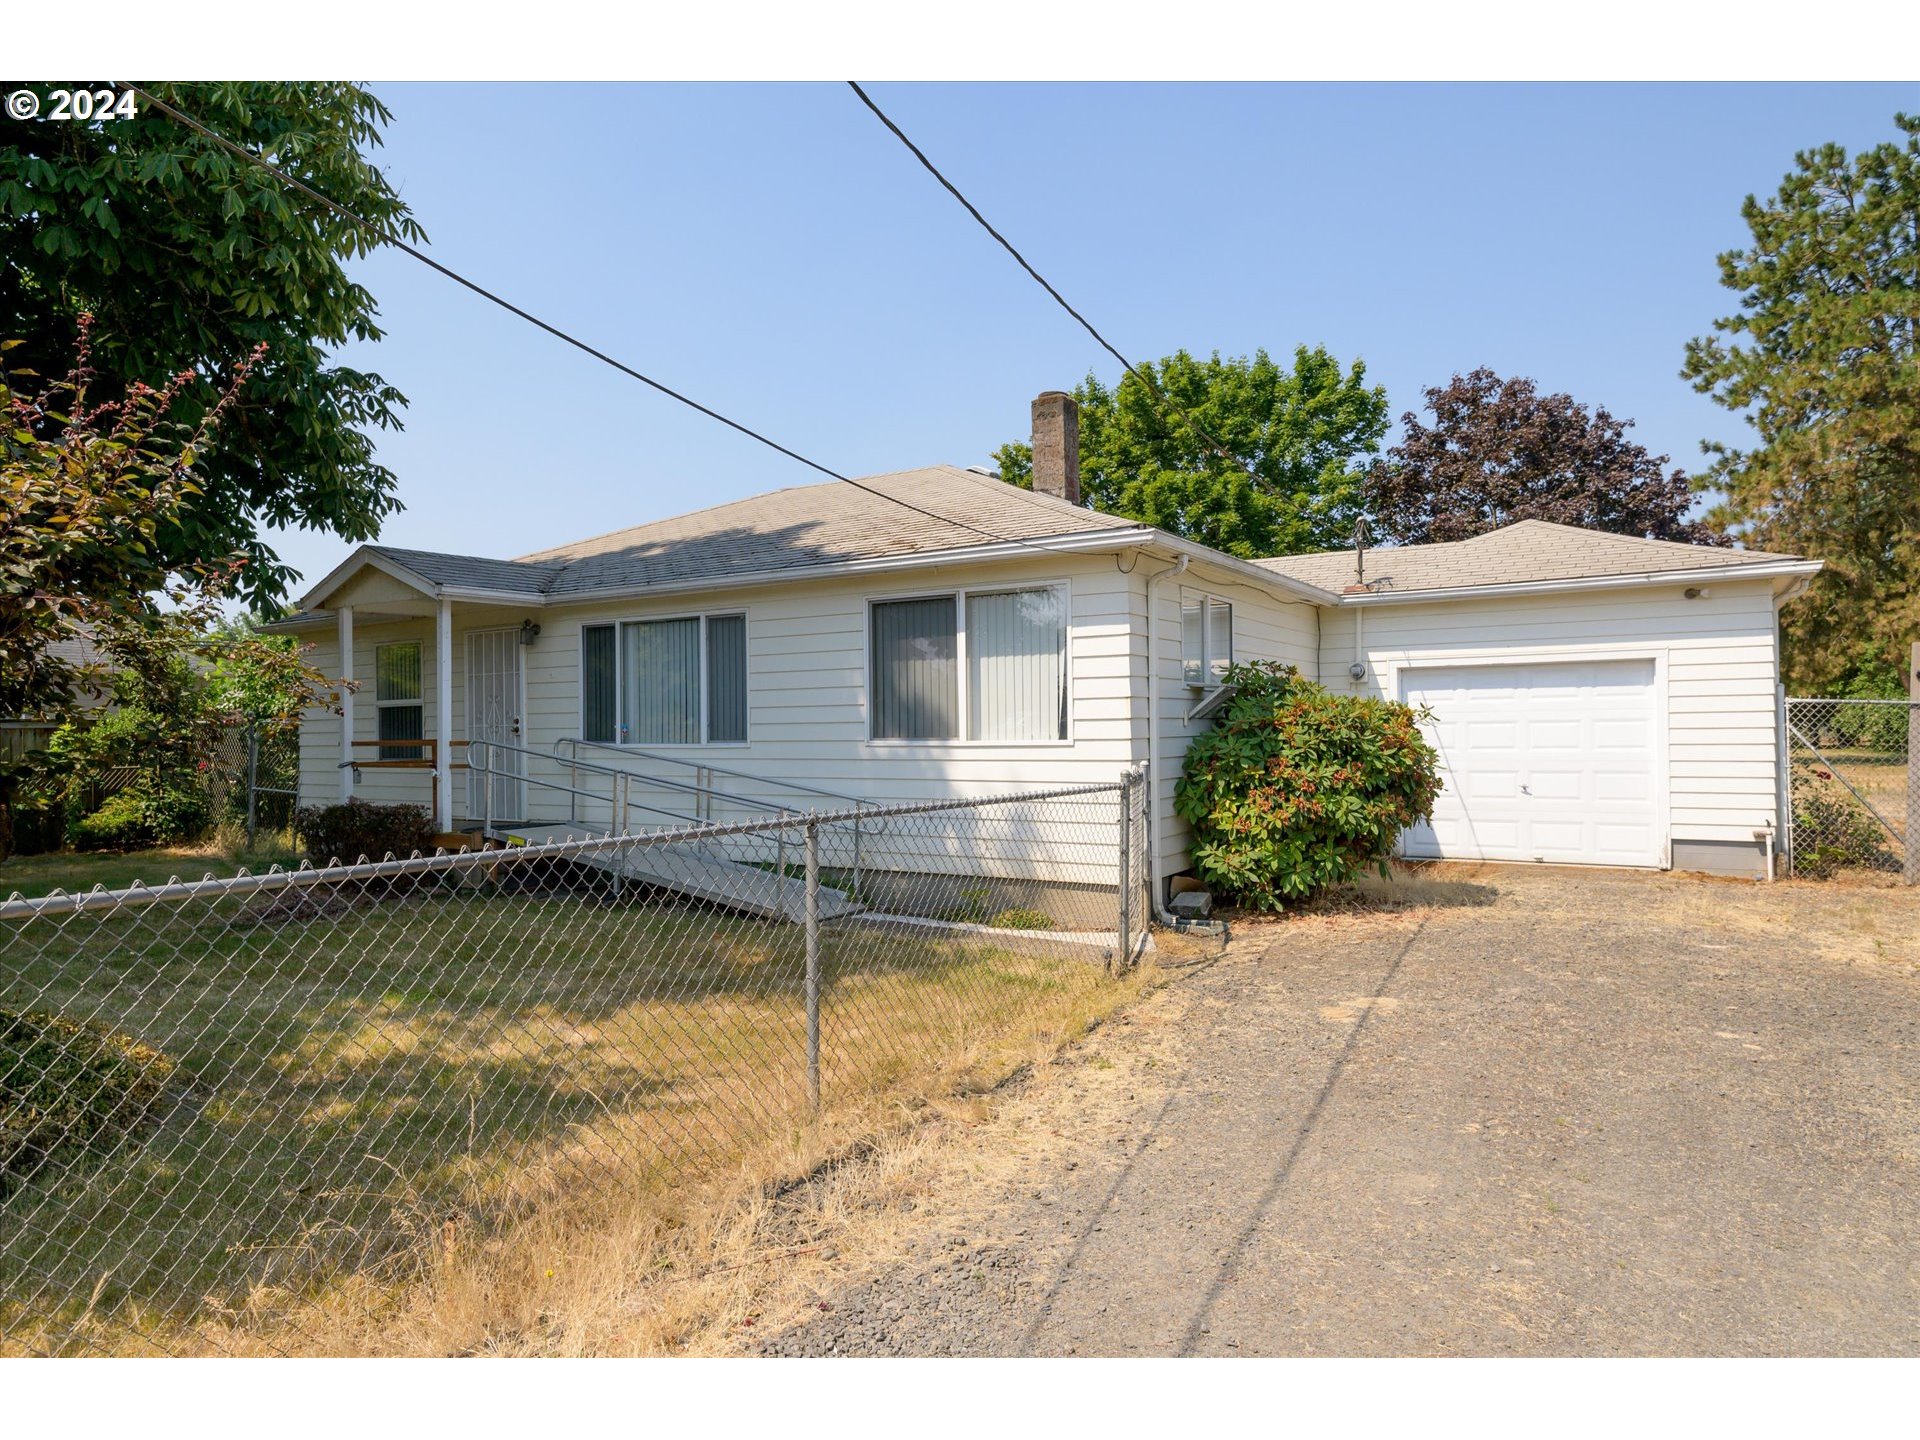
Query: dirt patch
point(1492, 1111)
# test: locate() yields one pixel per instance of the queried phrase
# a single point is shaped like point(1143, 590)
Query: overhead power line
point(387, 236)
point(1144, 376)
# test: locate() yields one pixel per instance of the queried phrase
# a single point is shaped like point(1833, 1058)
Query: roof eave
point(364, 556)
point(1640, 580)
point(1220, 560)
point(1082, 543)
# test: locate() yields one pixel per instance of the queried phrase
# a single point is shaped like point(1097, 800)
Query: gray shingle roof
point(1526, 551)
point(940, 507)
point(473, 572)
point(818, 525)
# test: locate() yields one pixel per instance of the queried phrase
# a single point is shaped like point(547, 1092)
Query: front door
point(495, 702)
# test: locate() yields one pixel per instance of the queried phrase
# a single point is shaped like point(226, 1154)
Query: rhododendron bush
point(1296, 789)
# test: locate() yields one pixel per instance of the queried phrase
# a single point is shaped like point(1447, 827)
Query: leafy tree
point(191, 258)
point(1300, 432)
point(1296, 789)
point(1498, 451)
point(1822, 358)
point(86, 489)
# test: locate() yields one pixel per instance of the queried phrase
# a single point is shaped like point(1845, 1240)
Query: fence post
point(1126, 871)
point(1783, 777)
point(253, 781)
point(1911, 872)
point(813, 963)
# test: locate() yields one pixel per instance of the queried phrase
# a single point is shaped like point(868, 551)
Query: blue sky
point(770, 250)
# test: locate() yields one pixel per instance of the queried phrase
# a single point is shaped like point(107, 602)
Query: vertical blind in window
point(599, 701)
point(661, 680)
point(396, 694)
point(916, 678)
point(727, 679)
point(1017, 666)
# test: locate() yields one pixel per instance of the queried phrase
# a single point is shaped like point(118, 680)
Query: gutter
point(1086, 542)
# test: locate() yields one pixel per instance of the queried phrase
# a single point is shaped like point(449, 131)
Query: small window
point(665, 682)
point(396, 698)
point(726, 679)
point(916, 672)
point(1206, 640)
point(599, 685)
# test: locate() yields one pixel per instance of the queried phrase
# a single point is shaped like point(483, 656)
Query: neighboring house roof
point(78, 649)
point(1527, 552)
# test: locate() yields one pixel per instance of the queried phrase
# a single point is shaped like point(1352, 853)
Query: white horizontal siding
point(806, 698)
point(1718, 659)
point(1265, 627)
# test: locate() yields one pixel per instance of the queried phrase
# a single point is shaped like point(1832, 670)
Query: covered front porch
point(426, 669)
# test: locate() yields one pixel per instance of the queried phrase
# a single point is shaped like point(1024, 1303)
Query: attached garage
point(1596, 699)
point(1553, 761)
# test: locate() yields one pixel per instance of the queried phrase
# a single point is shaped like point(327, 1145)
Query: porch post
point(345, 617)
point(443, 711)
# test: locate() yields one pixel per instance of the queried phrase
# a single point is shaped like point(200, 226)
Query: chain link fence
point(239, 1115)
point(1851, 785)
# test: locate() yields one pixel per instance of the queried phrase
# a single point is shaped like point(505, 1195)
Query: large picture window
point(396, 698)
point(995, 660)
point(680, 681)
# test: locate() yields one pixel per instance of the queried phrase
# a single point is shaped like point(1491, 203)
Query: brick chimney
point(1056, 445)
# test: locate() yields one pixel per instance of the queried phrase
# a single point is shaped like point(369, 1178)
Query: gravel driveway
point(1497, 1111)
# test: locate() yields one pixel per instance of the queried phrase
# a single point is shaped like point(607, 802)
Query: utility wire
point(387, 236)
point(1145, 376)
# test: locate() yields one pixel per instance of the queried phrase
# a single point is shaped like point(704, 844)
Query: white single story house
point(932, 633)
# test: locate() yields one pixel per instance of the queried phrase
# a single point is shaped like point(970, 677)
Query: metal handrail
point(703, 764)
point(622, 803)
point(699, 788)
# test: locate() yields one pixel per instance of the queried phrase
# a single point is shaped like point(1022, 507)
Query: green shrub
point(68, 1086)
point(1296, 789)
point(119, 824)
point(358, 828)
point(1832, 831)
point(139, 816)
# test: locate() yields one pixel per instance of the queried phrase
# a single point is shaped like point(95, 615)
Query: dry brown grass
point(682, 1264)
point(635, 1232)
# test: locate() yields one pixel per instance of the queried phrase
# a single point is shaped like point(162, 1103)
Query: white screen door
point(493, 714)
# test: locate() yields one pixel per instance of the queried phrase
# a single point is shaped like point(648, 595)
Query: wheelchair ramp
point(696, 873)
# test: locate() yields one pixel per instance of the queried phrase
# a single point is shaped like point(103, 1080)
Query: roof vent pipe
point(1056, 445)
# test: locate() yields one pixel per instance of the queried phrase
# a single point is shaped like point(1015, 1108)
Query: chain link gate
point(1852, 789)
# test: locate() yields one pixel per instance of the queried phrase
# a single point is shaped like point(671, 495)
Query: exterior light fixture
point(529, 632)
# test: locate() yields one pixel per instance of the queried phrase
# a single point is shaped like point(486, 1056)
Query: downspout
point(1160, 912)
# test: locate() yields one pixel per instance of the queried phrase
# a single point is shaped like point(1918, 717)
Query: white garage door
point(1550, 761)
